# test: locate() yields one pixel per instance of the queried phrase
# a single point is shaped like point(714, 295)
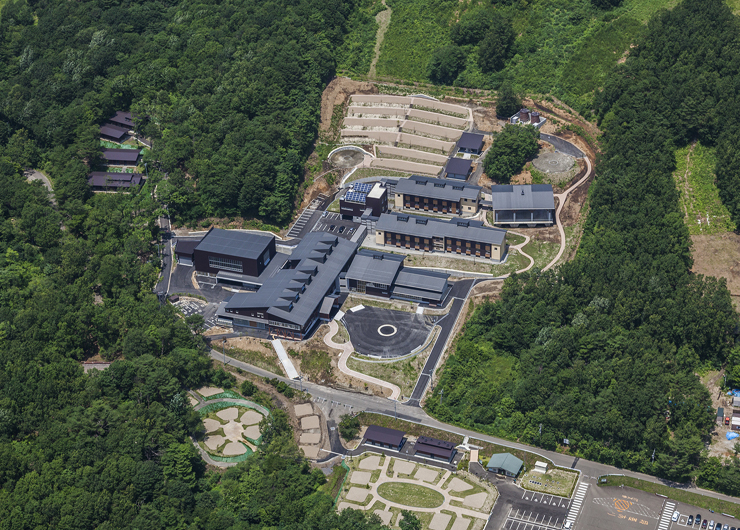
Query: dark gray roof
point(326, 305)
point(522, 197)
point(429, 227)
point(234, 243)
point(422, 279)
point(321, 257)
point(458, 166)
point(470, 141)
point(186, 246)
point(437, 188)
point(123, 118)
point(384, 435)
point(374, 266)
point(276, 263)
point(434, 446)
point(113, 131)
point(400, 291)
point(121, 155)
point(115, 180)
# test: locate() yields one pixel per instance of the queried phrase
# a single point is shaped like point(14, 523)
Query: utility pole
point(653, 457)
point(441, 395)
point(300, 378)
point(224, 352)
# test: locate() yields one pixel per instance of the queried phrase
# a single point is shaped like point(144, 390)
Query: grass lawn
point(261, 360)
point(414, 429)
point(687, 497)
point(369, 172)
point(334, 206)
point(556, 481)
point(699, 196)
point(511, 239)
point(411, 495)
point(314, 363)
point(334, 481)
point(542, 252)
point(401, 373)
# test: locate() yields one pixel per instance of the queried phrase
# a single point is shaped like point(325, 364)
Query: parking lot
point(552, 500)
point(333, 223)
point(190, 307)
point(614, 508)
point(531, 520)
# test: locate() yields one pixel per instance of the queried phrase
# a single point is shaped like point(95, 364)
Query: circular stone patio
point(346, 158)
point(237, 424)
point(375, 331)
point(553, 162)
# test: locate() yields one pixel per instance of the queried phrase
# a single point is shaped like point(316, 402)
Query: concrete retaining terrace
point(373, 122)
point(434, 158)
point(435, 130)
point(442, 119)
point(404, 165)
point(386, 99)
point(377, 111)
point(378, 136)
point(431, 143)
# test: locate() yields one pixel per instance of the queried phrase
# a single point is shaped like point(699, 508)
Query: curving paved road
point(562, 197)
point(347, 350)
point(561, 145)
point(32, 175)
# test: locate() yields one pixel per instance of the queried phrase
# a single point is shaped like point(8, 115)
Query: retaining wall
point(412, 153)
point(373, 122)
point(378, 111)
point(435, 130)
point(381, 99)
point(378, 136)
point(442, 119)
point(438, 105)
point(431, 143)
point(404, 165)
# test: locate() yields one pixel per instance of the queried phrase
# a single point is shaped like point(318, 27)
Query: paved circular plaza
point(553, 162)
point(385, 332)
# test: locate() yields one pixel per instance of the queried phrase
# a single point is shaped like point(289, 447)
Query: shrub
point(445, 64)
point(248, 388)
point(509, 152)
point(349, 426)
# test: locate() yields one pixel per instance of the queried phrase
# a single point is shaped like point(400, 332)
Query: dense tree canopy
point(228, 91)
point(508, 101)
point(509, 152)
point(604, 350)
point(445, 64)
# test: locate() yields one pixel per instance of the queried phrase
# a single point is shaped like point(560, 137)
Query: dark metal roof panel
point(459, 166)
point(376, 267)
point(186, 246)
point(427, 295)
point(234, 243)
point(384, 435)
point(113, 131)
point(470, 141)
point(123, 118)
point(437, 188)
point(114, 180)
point(123, 155)
point(425, 280)
point(523, 197)
point(429, 228)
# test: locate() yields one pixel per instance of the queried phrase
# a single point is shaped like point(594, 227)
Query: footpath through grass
point(680, 495)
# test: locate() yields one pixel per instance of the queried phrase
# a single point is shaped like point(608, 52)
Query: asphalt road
point(359, 401)
point(459, 293)
point(562, 145)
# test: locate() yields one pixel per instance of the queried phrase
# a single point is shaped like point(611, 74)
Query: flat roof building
point(436, 195)
point(110, 181)
point(184, 250)
point(289, 303)
point(364, 199)
point(470, 143)
point(523, 204)
point(385, 437)
point(234, 257)
point(383, 274)
point(505, 464)
point(121, 157)
point(435, 449)
point(113, 132)
point(458, 168)
point(458, 236)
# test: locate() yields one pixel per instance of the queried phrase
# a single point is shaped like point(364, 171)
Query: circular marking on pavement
point(386, 330)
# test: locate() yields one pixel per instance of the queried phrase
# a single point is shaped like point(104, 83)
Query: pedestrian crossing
point(665, 518)
point(575, 506)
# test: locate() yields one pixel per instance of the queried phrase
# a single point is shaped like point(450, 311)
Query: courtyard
point(442, 500)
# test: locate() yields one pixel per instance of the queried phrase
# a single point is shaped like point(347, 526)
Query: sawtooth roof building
point(457, 236)
point(104, 181)
point(523, 204)
point(436, 195)
point(383, 274)
point(290, 302)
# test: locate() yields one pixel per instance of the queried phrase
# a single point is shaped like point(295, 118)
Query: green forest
point(604, 350)
point(228, 91)
point(112, 449)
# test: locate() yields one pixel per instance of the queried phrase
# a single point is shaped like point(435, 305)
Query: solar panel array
point(362, 187)
point(354, 196)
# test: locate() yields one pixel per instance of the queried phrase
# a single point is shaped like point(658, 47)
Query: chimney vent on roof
point(378, 256)
point(522, 191)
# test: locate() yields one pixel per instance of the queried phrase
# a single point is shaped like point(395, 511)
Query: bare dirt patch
point(484, 119)
point(383, 19)
point(337, 92)
point(720, 446)
point(719, 255)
